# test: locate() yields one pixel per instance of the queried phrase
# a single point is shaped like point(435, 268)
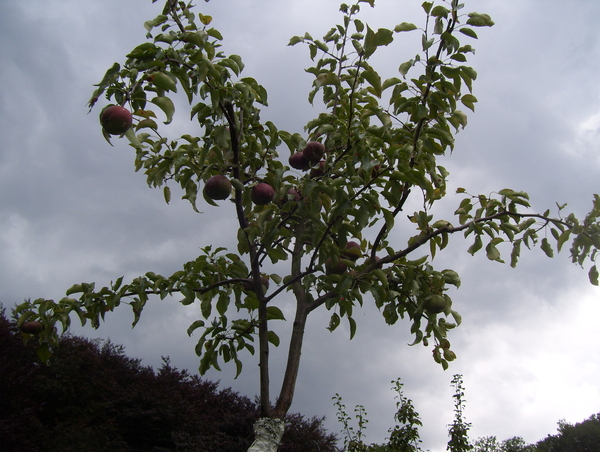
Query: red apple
point(262, 194)
point(339, 268)
point(320, 171)
point(116, 120)
point(33, 327)
point(314, 151)
point(291, 195)
point(294, 194)
point(217, 187)
point(352, 250)
point(298, 161)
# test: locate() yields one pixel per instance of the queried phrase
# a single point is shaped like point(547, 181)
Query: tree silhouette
point(93, 397)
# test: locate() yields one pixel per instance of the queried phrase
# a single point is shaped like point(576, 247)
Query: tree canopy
point(315, 210)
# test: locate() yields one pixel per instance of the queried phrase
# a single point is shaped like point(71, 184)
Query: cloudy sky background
point(72, 209)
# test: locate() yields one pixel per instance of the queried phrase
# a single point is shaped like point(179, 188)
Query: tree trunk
point(267, 435)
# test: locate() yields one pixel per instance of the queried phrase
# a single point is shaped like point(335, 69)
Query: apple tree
point(315, 210)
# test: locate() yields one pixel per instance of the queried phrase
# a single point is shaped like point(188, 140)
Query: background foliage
point(95, 398)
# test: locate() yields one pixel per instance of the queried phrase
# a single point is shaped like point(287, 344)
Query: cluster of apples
point(116, 120)
point(218, 187)
point(311, 155)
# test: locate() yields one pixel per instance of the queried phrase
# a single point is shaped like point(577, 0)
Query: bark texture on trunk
point(267, 433)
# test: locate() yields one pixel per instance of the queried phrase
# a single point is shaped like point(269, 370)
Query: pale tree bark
point(267, 433)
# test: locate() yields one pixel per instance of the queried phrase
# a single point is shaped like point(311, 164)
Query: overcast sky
point(72, 208)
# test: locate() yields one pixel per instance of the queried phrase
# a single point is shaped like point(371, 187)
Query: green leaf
point(476, 246)
point(426, 43)
point(274, 313)
point(197, 324)
point(273, 338)
point(404, 26)
point(469, 32)
point(166, 105)
point(374, 80)
point(76, 288)
point(480, 20)
point(492, 252)
point(562, 239)
point(159, 20)
point(427, 6)
point(468, 101)
point(215, 34)
point(439, 11)
point(382, 37)
point(167, 194)
point(547, 248)
point(352, 323)
point(43, 352)
point(334, 321)
point(295, 40)
point(593, 275)
point(223, 303)
point(328, 78)
point(163, 81)
point(459, 57)
point(205, 19)
point(148, 122)
point(390, 82)
point(516, 252)
point(404, 67)
point(238, 367)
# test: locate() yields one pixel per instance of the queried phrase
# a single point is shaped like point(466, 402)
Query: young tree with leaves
point(315, 211)
point(459, 429)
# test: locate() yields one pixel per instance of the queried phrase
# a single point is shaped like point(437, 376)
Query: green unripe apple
point(436, 304)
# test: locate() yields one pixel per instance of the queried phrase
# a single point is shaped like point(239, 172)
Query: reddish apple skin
point(294, 193)
point(338, 269)
point(116, 120)
point(262, 194)
point(33, 327)
point(320, 171)
point(314, 151)
point(291, 195)
point(217, 187)
point(352, 251)
point(299, 162)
